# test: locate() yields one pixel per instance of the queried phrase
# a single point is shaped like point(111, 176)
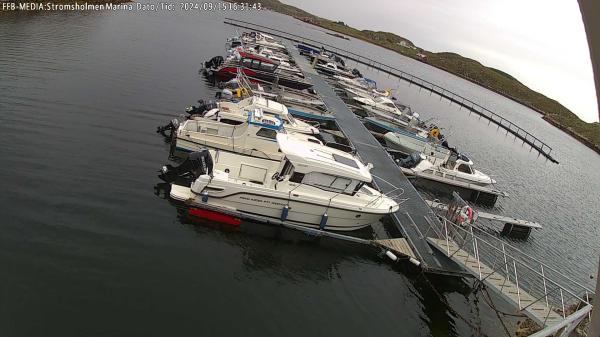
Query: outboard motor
point(214, 62)
point(410, 161)
point(173, 125)
point(195, 165)
point(202, 108)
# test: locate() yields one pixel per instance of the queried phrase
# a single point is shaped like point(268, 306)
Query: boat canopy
point(266, 105)
point(310, 157)
point(256, 117)
point(247, 55)
point(384, 100)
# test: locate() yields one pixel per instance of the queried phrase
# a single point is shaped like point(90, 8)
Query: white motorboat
point(238, 112)
point(357, 82)
point(366, 93)
point(423, 142)
point(385, 108)
point(313, 186)
point(263, 40)
point(256, 137)
point(273, 55)
point(360, 86)
point(333, 69)
point(456, 167)
point(299, 103)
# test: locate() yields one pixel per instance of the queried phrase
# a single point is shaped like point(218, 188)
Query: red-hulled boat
point(256, 68)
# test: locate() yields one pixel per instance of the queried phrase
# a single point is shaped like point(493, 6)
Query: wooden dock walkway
point(526, 137)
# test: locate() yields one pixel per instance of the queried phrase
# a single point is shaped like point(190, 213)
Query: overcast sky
point(540, 42)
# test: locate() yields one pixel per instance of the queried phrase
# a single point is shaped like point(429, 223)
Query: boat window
point(358, 187)
point(267, 67)
point(297, 177)
point(267, 133)
point(464, 168)
point(344, 160)
point(287, 168)
point(211, 131)
point(330, 183)
point(255, 64)
point(341, 183)
point(191, 126)
point(247, 63)
point(230, 121)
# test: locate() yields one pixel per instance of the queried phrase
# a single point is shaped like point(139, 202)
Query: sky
point(540, 42)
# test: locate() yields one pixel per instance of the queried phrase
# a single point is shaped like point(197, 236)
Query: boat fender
point(391, 255)
point(323, 222)
point(284, 212)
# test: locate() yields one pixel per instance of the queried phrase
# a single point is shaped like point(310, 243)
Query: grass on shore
point(493, 79)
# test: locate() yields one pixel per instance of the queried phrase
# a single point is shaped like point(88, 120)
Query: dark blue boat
point(307, 50)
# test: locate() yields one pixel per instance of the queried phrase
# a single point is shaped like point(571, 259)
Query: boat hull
point(272, 208)
point(411, 144)
point(228, 73)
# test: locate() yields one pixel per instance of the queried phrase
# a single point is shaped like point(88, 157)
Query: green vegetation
point(493, 79)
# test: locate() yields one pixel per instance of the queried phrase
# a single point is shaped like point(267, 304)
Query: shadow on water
point(266, 249)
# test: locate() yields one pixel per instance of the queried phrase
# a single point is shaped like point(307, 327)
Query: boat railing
point(536, 281)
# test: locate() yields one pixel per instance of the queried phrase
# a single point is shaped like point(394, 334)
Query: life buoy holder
point(434, 132)
point(466, 214)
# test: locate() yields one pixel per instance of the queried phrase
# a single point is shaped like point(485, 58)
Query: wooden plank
point(398, 245)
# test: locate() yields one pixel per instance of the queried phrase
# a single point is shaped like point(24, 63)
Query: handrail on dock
point(527, 137)
point(543, 293)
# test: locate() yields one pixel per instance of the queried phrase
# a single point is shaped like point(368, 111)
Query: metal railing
point(484, 112)
point(536, 282)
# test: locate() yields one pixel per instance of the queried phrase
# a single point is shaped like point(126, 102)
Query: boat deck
point(414, 217)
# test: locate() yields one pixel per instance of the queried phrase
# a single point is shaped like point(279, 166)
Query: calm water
point(87, 248)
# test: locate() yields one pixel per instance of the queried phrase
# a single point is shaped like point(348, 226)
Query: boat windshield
point(464, 168)
point(330, 183)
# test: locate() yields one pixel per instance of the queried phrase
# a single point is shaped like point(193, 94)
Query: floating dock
point(514, 227)
point(414, 217)
point(526, 137)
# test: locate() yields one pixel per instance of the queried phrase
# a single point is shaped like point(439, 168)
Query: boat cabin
point(320, 166)
point(257, 62)
point(384, 101)
point(460, 163)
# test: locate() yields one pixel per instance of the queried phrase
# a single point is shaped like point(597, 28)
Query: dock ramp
point(414, 216)
point(547, 296)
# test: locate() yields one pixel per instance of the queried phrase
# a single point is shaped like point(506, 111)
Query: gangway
point(550, 298)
